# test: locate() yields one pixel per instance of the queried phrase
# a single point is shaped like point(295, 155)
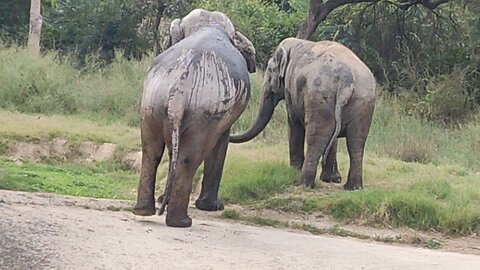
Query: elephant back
point(204, 72)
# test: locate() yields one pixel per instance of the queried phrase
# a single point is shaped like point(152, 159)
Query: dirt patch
point(60, 234)
point(63, 150)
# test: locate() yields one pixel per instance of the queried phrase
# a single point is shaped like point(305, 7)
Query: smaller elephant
point(194, 91)
point(329, 93)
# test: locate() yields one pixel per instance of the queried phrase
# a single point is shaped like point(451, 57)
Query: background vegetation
point(422, 159)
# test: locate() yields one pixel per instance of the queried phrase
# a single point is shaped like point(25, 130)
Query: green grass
point(100, 181)
point(49, 85)
point(247, 181)
point(425, 205)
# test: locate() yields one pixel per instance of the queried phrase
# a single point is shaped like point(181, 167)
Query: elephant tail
point(345, 87)
point(175, 115)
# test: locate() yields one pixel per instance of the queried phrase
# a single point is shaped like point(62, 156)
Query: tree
point(158, 18)
point(320, 9)
point(35, 27)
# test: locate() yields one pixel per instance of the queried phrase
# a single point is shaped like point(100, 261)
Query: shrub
point(446, 99)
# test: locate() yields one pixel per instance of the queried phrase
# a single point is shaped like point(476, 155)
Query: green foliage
point(405, 49)
point(446, 100)
point(86, 27)
point(14, 20)
point(265, 25)
point(48, 85)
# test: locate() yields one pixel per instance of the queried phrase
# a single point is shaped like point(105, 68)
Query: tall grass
point(51, 85)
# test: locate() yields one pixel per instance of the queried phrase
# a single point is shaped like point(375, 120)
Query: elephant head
point(199, 18)
point(273, 92)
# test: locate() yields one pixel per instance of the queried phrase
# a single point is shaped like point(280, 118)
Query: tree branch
point(320, 9)
point(430, 4)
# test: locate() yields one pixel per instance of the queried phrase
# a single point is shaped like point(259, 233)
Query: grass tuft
point(245, 180)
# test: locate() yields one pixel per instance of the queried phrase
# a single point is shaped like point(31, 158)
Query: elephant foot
point(144, 210)
point(331, 178)
point(307, 183)
point(178, 221)
point(208, 205)
point(351, 186)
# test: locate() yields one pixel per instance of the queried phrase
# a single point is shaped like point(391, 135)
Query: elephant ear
point(282, 58)
point(176, 32)
point(246, 48)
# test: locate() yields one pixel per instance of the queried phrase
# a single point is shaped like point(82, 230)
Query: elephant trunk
point(267, 105)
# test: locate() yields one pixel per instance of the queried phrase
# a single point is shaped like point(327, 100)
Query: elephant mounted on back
point(329, 93)
point(193, 93)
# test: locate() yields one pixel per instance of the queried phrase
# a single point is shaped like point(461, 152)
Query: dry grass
point(33, 127)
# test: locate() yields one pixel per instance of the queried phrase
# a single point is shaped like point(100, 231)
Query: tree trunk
point(158, 18)
point(316, 15)
point(35, 27)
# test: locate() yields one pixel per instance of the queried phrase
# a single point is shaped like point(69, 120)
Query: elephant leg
point(296, 141)
point(320, 126)
point(330, 172)
point(356, 147)
point(162, 197)
point(357, 133)
point(208, 199)
point(190, 156)
point(153, 146)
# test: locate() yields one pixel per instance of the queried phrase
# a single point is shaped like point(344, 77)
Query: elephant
point(329, 93)
point(193, 93)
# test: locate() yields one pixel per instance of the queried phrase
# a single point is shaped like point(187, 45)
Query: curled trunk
point(265, 113)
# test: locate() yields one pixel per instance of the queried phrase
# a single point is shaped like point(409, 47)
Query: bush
point(413, 149)
point(446, 100)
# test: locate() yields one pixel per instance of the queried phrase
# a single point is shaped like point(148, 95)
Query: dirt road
point(43, 231)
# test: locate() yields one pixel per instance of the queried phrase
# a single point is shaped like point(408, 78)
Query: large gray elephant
point(193, 93)
point(329, 93)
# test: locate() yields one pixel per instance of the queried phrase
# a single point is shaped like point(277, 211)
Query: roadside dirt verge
point(60, 232)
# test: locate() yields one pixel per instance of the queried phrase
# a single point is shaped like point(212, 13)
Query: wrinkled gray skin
point(329, 93)
point(193, 93)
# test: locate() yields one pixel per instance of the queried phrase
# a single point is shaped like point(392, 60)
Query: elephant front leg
point(208, 199)
point(330, 172)
point(296, 141)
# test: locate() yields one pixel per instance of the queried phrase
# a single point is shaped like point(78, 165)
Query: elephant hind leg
point(296, 141)
point(208, 199)
point(330, 172)
point(153, 147)
point(192, 149)
point(320, 126)
point(357, 133)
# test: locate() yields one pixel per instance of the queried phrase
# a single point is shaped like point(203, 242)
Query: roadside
point(59, 232)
